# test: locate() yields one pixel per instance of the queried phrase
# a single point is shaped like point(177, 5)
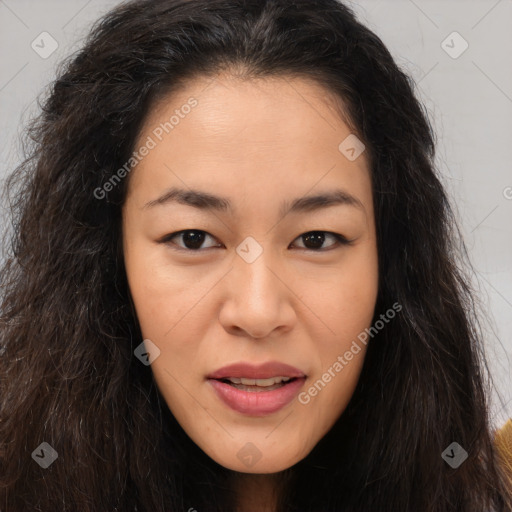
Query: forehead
point(283, 132)
point(271, 109)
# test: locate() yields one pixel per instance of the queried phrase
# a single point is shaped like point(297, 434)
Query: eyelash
point(340, 239)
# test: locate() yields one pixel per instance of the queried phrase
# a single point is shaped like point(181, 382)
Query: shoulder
point(503, 444)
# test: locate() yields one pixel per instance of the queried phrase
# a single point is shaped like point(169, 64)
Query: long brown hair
point(68, 330)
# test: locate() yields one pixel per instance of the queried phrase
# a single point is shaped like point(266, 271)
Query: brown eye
point(314, 240)
point(192, 239)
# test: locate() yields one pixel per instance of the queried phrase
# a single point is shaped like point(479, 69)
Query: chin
point(249, 459)
point(260, 468)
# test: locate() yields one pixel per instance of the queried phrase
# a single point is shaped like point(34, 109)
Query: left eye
point(317, 238)
point(193, 239)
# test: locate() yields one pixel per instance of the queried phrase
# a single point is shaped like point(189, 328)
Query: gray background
point(468, 97)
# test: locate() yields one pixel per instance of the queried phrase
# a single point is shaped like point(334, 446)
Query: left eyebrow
point(324, 200)
point(206, 201)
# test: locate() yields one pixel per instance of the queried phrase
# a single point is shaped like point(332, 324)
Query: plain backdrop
point(460, 56)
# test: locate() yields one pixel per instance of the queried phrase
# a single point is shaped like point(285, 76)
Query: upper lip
point(262, 371)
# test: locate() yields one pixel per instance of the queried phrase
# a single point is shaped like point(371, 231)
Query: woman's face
point(247, 285)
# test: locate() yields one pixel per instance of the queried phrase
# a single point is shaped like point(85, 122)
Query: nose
point(259, 299)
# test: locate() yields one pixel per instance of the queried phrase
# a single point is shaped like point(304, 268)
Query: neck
point(258, 492)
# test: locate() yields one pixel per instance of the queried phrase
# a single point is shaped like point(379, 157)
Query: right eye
point(191, 239)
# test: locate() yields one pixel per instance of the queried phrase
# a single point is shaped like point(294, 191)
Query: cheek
point(166, 315)
point(170, 306)
point(347, 307)
point(346, 303)
point(162, 296)
point(329, 395)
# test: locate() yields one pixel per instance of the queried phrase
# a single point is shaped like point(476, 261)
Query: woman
point(265, 370)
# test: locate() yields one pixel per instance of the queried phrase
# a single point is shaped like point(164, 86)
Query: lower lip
point(257, 403)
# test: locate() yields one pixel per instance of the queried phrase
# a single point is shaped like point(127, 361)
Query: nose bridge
point(253, 273)
point(257, 298)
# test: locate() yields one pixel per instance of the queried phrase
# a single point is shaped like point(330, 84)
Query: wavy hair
point(69, 329)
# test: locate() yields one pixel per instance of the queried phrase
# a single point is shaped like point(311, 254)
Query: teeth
point(258, 382)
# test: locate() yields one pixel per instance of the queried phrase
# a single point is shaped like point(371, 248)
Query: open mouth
point(257, 385)
point(257, 397)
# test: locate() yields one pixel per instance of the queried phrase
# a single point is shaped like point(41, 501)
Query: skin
point(257, 143)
